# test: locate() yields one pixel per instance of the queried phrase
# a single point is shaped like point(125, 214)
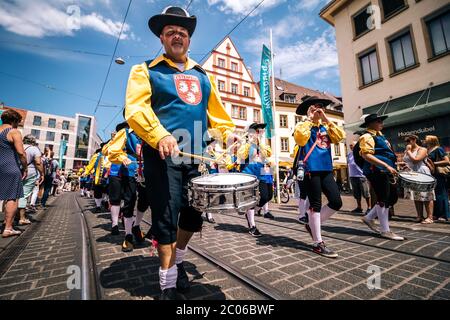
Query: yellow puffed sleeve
point(243, 151)
point(266, 151)
point(116, 153)
point(138, 111)
point(336, 133)
point(302, 132)
point(90, 167)
point(366, 144)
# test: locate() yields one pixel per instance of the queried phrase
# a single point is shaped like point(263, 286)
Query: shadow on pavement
point(139, 277)
point(266, 239)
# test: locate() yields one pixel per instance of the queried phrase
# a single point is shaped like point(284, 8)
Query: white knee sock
point(325, 213)
point(209, 215)
point(301, 208)
point(251, 218)
point(98, 203)
point(105, 197)
point(180, 255)
point(372, 213)
point(82, 192)
point(128, 224)
point(383, 218)
point(139, 217)
point(266, 207)
point(168, 278)
point(115, 210)
point(314, 224)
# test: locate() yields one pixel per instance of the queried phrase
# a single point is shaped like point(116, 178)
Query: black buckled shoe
point(138, 234)
point(128, 245)
point(268, 215)
point(183, 284)
point(115, 231)
point(169, 294)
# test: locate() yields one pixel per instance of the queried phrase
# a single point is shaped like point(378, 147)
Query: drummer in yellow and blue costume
point(165, 96)
point(124, 152)
point(379, 168)
point(97, 167)
point(253, 156)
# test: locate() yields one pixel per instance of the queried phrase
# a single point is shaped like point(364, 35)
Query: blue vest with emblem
point(384, 153)
point(320, 157)
point(180, 101)
point(252, 167)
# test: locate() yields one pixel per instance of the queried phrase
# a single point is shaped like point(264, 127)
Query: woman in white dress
point(415, 160)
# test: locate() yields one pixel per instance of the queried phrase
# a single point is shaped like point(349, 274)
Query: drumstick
point(196, 156)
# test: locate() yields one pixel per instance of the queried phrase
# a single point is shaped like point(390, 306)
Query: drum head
point(417, 177)
point(224, 179)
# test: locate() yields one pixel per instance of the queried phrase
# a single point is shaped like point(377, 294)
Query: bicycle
point(284, 193)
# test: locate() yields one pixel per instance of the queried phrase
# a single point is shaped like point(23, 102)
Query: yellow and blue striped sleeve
point(90, 167)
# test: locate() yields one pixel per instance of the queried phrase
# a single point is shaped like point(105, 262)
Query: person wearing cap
point(253, 157)
point(167, 97)
point(315, 136)
point(124, 152)
point(379, 168)
point(35, 175)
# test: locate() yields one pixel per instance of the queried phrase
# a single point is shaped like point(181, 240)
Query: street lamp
point(119, 60)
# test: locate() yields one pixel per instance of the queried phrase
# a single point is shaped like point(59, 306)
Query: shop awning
point(425, 104)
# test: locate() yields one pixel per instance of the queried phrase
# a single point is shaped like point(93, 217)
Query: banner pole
point(275, 137)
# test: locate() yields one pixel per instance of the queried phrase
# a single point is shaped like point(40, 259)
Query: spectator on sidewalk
point(360, 185)
point(414, 160)
point(437, 155)
point(13, 167)
point(35, 174)
point(50, 172)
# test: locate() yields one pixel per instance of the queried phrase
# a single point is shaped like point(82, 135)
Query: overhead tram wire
point(112, 57)
point(55, 48)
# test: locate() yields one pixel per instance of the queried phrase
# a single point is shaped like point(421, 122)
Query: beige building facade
point(394, 60)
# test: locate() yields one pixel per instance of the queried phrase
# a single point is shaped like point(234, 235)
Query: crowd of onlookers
point(426, 157)
point(29, 176)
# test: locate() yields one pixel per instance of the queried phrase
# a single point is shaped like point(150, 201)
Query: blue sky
point(36, 75)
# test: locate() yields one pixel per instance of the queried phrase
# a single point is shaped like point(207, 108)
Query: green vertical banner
point(264, 82)
point(62, 150)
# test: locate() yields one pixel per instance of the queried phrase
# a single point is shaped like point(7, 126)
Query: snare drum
point(417, 181)
point(224, 192)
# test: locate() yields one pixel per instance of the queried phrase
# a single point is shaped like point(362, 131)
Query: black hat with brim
point(257, 126)
point(121, 126)
point(308, 101)
point(372, 118)
point(172, 16)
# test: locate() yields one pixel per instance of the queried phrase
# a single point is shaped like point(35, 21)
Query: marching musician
point(125, 150)
point(96, 166)
point(253, 156)
point(315, 136)
point(379, 168)
point(164, 95)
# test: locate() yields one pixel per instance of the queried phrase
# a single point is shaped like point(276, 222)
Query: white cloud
point(308, 5)
point(44, 18)
point(243, 7)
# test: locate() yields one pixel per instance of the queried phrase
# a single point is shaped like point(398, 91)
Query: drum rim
point(194, 183)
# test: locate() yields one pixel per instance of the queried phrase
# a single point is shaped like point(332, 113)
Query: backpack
point(48, 167)
point(359, 160)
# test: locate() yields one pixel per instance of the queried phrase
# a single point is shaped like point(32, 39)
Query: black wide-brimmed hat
point(257, 126)
point(308, 101)
point(172, 16)
point(371, 118)
point(121, 126)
